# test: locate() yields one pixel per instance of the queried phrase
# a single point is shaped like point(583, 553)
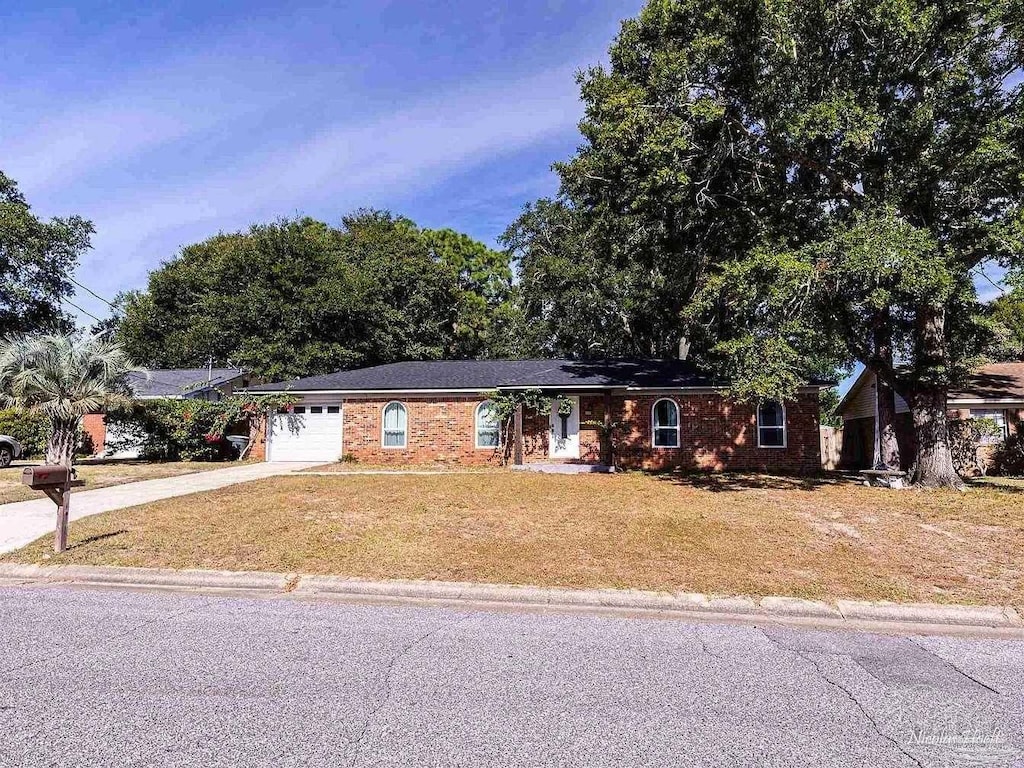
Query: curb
point(146, 577)
point(693, 603)
point(929, 613)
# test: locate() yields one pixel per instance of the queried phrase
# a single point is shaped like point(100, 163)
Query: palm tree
point(64, 377)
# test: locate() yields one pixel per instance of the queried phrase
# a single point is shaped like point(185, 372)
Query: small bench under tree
point(884, 478)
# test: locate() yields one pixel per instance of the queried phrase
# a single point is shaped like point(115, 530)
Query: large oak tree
point(819, 181)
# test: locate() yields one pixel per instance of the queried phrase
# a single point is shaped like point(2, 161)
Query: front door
point(564, 434)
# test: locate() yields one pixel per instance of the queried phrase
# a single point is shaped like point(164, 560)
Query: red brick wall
point(94, 425)
point(440, 429)
point(1015, 422)
point(714, 434)
point(257, 441)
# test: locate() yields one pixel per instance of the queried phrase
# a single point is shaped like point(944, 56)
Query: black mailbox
point(46, 476)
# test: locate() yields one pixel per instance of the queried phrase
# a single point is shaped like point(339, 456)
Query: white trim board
point(487, 390)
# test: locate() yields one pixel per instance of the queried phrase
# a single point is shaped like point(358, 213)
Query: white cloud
point(70, 146)
point(343, 165)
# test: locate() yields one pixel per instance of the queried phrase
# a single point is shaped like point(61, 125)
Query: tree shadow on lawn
point(722, 482)
point(992, 483)
point(94, 538)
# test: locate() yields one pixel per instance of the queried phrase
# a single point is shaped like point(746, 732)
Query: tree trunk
point(933, 467)
point(888, 445)
point(888, 448)
point(60, 449)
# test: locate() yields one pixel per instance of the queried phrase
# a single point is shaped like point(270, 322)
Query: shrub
point(187, 429)
point(166, 429)
point(964, 438)
point(30, 429)
point(1009, 456)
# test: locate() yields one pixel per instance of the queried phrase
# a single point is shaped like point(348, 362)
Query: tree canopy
point(817, 182)
point(1007, 314)
point(299, 297)
point(36, 259)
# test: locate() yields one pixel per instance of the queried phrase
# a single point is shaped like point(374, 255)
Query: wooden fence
point(831, 447)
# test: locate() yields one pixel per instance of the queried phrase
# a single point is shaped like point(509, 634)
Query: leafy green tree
point(485, 279)
point(580, 302)
point(63, 377)
point(820, 179)
point(481, 271)
point(299, 297)
point(36, 259)
point(1007, 315)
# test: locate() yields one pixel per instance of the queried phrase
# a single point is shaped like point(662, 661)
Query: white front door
point(564, 435)
point(311, 432)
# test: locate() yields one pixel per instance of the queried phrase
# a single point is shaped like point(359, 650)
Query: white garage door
point(308, 433)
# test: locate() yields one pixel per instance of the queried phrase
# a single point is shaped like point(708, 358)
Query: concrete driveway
point(115, 678)
point(25, 521)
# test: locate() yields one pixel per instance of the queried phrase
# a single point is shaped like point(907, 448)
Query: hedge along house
point(668, 414)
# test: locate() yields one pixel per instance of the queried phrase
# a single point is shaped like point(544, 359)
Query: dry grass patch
point(731, 534)
point(101, 476)
point(355, 467)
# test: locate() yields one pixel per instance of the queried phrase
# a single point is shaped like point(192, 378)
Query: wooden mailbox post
point(56, 482)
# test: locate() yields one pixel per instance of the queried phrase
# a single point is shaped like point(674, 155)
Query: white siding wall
point(862, 404)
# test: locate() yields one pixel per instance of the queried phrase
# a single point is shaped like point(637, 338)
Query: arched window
point(665, 421)
point(486, 424)
point(771, 425)
point(395, 426)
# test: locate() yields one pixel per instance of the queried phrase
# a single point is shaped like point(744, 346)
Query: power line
point(90, 290)
point(90, 314)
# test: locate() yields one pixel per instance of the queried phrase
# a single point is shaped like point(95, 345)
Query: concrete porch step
point(566, 469)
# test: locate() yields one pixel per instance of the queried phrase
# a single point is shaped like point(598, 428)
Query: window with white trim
point(665, 424)
point(771, 425)
point(999, 417)
point(395, 426)
point(486, 425)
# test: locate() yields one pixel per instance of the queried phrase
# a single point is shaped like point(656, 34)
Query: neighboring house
point(674, 415)
point(994, 392)
point(198, 383)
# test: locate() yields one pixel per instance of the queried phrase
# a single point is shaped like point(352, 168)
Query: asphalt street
point(121, 678)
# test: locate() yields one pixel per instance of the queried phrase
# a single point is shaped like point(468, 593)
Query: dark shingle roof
point(997, 381)
point(505, 374)
point(178, 382)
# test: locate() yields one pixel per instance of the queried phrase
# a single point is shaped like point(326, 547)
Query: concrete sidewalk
point(25, 521)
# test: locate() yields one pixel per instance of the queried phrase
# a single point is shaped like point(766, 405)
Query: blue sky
point(164, 126)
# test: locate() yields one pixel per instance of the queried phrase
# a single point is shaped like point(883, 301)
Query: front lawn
point(726, 534)
point(100, 476)
point(357, 467)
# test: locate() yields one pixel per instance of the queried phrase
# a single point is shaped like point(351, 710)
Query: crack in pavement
point(386, 688)
point(93, 647)
point(953, 666)
point(846, 691)
point(703, 644)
